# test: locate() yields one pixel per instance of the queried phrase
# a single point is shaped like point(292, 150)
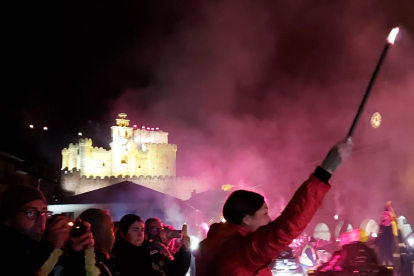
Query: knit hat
point(15, 197)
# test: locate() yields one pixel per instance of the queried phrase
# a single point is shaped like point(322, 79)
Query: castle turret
point(65, 158)
point(121, 134)
point(73, 160)
point(85, 155)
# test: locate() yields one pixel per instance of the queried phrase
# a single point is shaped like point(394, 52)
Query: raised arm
point(264, 245)
point(267, 242)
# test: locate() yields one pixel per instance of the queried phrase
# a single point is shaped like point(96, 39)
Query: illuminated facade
point(141, 155)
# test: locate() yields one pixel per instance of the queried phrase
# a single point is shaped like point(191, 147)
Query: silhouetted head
point(153, 227)
point(102, 228)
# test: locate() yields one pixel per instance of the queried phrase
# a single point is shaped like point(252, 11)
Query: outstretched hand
point(337, 155)
point(185, 241)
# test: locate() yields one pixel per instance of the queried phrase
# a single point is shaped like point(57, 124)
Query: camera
point(77, 229)
point(174, 234)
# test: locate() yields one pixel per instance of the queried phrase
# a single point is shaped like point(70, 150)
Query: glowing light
point(157, 128)
point(194, 242)
point(223, 220)
point(80, 133)
point(227, 187)
point(374, 235)
point(31, 126)
point(204, 226)
point(135, 126)
point(148, 128)
point(45, 128)
point(152, 128)
point(393, 35)
point(70, 223)
point(376, 119)
point(144, 147)
point(411, 241)
point(336, 217)
point(143, 127)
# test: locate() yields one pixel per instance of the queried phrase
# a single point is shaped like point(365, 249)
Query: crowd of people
point(33, 242)
point(356, 251)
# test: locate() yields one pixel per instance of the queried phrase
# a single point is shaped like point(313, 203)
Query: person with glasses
point(25, 249)
point(178, 263)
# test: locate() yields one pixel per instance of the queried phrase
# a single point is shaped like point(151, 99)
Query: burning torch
point(390, 41)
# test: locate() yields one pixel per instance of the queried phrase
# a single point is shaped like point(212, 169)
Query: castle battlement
point(144, 136)
point(162, 146)
point(180, 187)
point(85, 142)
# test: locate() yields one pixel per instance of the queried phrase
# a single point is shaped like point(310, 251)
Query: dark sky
point(254, 88)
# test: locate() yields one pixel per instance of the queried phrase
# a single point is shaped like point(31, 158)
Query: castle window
point(123, 161)
point(167, 168)
point(103, 164)
point(126, 134)
point(139, 167)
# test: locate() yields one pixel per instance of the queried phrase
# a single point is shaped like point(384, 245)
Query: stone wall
point(179, 187)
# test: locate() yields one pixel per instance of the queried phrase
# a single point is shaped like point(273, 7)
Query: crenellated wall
point(143, 136)
point(180, 187)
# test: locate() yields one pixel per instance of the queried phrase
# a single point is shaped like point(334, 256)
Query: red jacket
point(231, 250)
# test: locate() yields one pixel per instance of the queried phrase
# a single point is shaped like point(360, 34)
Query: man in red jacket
point(249, 240)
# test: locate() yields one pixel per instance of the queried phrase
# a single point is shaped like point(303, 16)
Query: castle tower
point(85, 155)
point(65, 158)
point(73, 159)
point(121, 134)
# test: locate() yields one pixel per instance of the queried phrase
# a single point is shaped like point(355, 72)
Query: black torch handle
point(368, 91)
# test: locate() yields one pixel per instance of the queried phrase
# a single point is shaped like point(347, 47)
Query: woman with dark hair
point(135, 256)
point(131, 229)
point(130, 250)
point(249, 240)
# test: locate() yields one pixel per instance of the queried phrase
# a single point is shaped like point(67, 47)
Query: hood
point(218, 234)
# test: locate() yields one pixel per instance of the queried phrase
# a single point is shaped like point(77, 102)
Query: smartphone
point(77, 229)
point(174, 234)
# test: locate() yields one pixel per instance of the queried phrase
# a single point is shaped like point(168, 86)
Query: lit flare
point(393, 35)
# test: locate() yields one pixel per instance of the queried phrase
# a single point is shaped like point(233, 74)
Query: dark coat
point(132, 260)
point(175, 264)
point(147, 260)
point(20, 255)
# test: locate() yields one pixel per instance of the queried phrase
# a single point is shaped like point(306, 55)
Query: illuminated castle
point(142, 156)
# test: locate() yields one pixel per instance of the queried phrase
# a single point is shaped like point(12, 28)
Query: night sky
point(248, 85)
